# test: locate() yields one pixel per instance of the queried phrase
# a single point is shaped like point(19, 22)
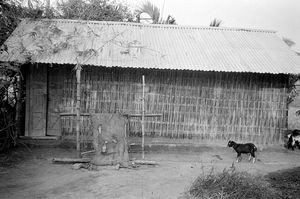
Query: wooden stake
point(18, 116)
point(145, 162)
point(145, 115)
point(87, 152)
point(70, 160)
point(143, 119)
point(96, 134)
point(78, 78)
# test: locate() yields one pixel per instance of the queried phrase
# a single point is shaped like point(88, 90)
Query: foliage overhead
point(11, 13)
point(98, 10)
point(151, 10)
point(292, 90)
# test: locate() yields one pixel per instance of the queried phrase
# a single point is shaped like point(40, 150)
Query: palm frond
point(288, 41)
point(215, 23)
point(151, 10)
point(170, 20)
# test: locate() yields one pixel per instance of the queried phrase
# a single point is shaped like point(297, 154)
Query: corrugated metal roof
point(150, 46)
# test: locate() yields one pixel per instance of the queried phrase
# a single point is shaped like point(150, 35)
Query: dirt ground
point(31, 174)
point(287, 181)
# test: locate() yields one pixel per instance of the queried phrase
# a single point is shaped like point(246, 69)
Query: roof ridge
point(159, 25)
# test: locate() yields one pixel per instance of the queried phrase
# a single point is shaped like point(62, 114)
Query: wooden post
point(143, 119)
point(96, 137)
point(18, 116)
point(78, 77)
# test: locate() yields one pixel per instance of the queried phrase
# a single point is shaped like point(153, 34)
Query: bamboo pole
point(74, 114)
point(70, 160)
point(143, 119)
point(145, 162)
point(18, 115)
point(78, 78)
point(145, 115)
point(96, 134)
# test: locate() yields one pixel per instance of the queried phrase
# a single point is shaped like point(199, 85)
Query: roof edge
point(154, 25)
point(176, 69)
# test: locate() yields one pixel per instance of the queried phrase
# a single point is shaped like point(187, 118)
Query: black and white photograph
point(149, 99)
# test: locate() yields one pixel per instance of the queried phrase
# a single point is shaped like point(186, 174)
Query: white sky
point(280, 15)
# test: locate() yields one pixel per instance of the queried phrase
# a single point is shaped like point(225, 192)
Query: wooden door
point(36, 101)
point(55, 92)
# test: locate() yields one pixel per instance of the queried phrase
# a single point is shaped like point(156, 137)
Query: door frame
point(35, 83)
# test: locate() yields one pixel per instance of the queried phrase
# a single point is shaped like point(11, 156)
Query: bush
point(230, 184)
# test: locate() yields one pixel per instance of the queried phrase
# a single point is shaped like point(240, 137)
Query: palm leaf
point(151, 10)
point(215, 23)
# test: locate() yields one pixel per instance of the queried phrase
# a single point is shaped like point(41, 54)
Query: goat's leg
point(253, 156)
point(297, 144)
point(238, 157)
point(293, 144)
point(289, 145)
point(249, 157)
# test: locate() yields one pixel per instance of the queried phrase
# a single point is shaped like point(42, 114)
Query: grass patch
point(12, 157)
point(230, 184)
point(287, 181)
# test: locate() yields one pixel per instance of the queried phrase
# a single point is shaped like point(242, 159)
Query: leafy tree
point(153, 11)
point(99, 10)
point(292, 91)
point(11, 13)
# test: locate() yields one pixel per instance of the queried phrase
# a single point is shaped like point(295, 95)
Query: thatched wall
point(195, 105)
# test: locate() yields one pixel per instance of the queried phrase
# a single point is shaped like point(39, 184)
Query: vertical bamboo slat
point(202, 105)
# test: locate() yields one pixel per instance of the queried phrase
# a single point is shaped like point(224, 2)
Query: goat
point(293, 139)
point(243, 148)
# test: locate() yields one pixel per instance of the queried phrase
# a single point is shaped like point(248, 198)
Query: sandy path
point(37, 177)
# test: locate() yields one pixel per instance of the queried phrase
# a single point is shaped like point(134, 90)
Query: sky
point(282, 16)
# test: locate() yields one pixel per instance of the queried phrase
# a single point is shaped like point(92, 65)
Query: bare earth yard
point(32, 175)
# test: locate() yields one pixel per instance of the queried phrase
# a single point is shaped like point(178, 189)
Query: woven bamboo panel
point(195, 105)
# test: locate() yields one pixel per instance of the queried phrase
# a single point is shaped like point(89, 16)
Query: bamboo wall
point(195, 105)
